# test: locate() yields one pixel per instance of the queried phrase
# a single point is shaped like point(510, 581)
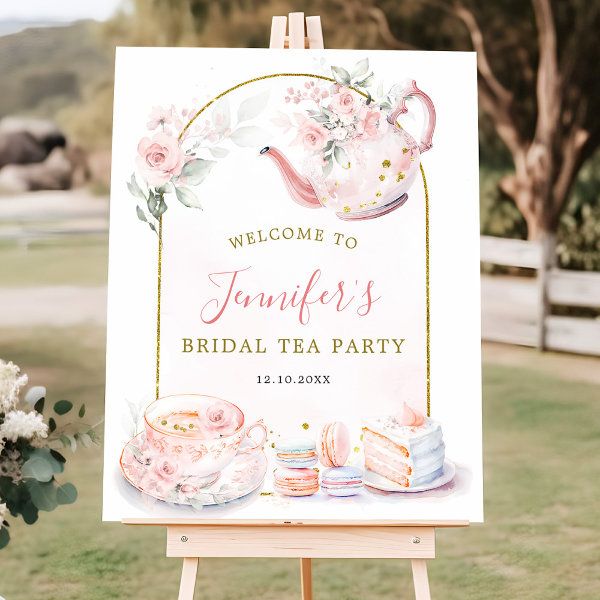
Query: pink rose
point(160, 158)
point(222, 418)
point(188, 489)
point(311, 135)
point(368, 122)
point(343, 103)
point(166, 470)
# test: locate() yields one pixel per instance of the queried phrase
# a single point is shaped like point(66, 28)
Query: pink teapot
point(378, 163)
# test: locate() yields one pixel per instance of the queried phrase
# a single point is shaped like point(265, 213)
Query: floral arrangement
point(177, 158)
point(29, 450)
point(339, 116)
point(181, 150)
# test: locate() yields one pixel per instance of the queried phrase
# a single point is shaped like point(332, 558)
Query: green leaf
point(43, 495)
point(37, 468)
point(41, 465)
point(58, 456)
point(195, 171)
point(81, 412)
point(367, 81)
point(4, 537)
point(152, 202)
point(341, 157)
point(328, 166)
point(187, 197)
point(29, 513)
point(85, 439)
point(360, 68)
point(134, 188)
point(39, 405)
point(34, 395)
point(341, 75)
point(252, 107)
point(62, 407)
point(140, 214)
point(247, 137)
point(218, 152)
point(66, 493)
point(51, 424)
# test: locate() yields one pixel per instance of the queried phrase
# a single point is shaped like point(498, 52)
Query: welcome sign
point(293, 321)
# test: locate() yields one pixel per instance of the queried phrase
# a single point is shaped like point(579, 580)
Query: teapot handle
point(427, 134)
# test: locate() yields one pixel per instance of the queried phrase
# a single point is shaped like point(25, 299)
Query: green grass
point(540, 539)
point(76, 260)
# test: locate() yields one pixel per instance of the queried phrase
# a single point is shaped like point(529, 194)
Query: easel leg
point(188, 579)
point(306, 578)
point(420, 579)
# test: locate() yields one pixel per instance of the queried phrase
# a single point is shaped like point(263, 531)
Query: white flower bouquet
point(29, 450)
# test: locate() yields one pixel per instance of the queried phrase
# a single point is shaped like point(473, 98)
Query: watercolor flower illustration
point(180, 150)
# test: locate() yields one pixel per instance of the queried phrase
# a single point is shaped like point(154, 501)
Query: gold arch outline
point(427, 257)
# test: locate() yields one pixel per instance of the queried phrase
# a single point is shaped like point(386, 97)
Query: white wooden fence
point(517, 310)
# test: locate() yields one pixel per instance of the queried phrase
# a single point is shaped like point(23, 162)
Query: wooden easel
point(410, 540)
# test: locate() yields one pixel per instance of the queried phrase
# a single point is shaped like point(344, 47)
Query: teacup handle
point(427, 134)
point(257, 445)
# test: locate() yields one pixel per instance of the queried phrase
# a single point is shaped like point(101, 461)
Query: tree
point(537, 71)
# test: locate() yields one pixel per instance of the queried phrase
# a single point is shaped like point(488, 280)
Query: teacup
point(198, 435)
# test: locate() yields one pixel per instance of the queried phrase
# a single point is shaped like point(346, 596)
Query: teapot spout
point(299, 187)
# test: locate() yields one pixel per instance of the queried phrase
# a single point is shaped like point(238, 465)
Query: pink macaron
point(333, 444)
point(296, 482)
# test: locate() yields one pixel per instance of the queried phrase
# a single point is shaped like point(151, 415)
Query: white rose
point(339, 134)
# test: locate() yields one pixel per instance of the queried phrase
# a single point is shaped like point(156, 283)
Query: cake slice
point(407, 448)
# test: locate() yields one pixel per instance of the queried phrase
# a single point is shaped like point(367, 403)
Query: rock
point(20, 147)
point(54, 173)
point(47, 133)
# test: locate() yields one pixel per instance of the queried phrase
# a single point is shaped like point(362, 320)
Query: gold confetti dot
point(374, 202)
point(378, 194)
point(272, 444)
point(361, 437)
point(412, 159)
point(347, 209)
point(266, 493)
point(324, 200)
point(381, 177)
point(404, 150)
point(356, 449)
point(386, 163)
point(305, 426)
point(400, 177)
point(362, 205)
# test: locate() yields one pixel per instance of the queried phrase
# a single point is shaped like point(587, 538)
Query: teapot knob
point(428, 126)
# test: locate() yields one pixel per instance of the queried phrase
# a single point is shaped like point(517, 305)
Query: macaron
point(296, 482)
point(333, 444)
point(296, 453)
point(342, 481)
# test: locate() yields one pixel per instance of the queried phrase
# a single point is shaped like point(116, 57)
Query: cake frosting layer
point(411, 455)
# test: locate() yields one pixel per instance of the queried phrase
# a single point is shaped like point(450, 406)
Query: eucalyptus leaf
point(187, 197)
point(218, 152)
point(66, 493)
point(39, 405)
point(140, 214)
point(43, 494)
point(161, 208)
point(152, 203)
point(34, 395)
point(341, 75)
point(81, 412)
point(58, 456)
point(341, 157)
point(85, 439)
point(195, 171)
point(4, 537)
point(221, 116)
point(29, 512)
point(37, 468)
point(249, 136)
point(328, 167)
point(360, 68)
point(367, 81)
point(252, 107)
point(134, 188)
point(62, 407)
point(51, 424)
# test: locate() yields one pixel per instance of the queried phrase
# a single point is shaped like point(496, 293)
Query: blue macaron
point(296, 453)
point(342, 481)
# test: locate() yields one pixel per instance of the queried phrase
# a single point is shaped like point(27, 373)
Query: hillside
point(47, 69)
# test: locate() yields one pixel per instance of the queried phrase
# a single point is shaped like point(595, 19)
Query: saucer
point(379, 482)
point(244, 474)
